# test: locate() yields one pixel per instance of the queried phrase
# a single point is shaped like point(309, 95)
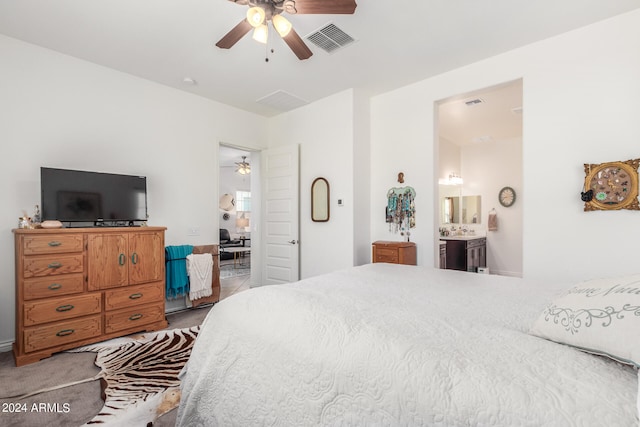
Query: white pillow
point(600, 316)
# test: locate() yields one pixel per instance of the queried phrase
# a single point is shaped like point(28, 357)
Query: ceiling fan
point(263, 11)
point(244, 168)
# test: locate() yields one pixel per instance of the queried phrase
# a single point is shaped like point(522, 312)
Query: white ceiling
point(168, 40)
point(486, 115)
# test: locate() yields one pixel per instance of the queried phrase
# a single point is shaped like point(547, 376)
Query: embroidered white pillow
point(600, 316)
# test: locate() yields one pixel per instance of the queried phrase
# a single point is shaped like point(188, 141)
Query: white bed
point(394, 345)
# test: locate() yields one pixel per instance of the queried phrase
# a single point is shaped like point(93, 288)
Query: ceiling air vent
point(472, 102)
point(330, 38)
point(282, 101)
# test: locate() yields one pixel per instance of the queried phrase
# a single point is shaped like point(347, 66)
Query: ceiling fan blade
point(296, 44)
point(234, 35)
point(329, 7)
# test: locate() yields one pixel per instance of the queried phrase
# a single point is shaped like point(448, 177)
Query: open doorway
point(235, 210)
point(479, 136)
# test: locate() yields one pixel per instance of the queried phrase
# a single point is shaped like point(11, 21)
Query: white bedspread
point(394, 345)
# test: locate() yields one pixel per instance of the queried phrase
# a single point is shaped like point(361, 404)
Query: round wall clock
point(612, 185)
point(507, 197)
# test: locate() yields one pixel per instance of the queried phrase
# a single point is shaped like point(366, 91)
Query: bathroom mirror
point(461, 210)
point(320, 200)
point(470, 213)
point(450, 210)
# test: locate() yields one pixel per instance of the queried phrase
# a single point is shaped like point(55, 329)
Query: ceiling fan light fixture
point(281, 24)
point(261, 33)
point(244, 168)
point(255, 16)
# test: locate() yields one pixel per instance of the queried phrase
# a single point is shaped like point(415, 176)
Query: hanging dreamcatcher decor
point(401, 209)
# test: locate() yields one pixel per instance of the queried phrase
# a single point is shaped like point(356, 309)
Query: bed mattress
point(386, 344)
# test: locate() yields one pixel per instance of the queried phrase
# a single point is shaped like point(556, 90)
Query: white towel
point(200, 270)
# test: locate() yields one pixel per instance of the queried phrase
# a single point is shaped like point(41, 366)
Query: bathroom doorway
point(479, 137)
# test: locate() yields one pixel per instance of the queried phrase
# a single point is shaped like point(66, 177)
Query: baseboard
point(6, 346)
point(506, 273)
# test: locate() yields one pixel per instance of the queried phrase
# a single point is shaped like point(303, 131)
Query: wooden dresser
point(82, 285)
point(394, 252)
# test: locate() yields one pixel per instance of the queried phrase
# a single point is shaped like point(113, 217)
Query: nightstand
point(394, 252)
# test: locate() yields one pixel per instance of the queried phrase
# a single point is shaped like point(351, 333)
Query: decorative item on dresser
point(394, 252)
point(83, 285)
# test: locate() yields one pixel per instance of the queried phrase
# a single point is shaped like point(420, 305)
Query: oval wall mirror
point(226, 202)
point(320, 200)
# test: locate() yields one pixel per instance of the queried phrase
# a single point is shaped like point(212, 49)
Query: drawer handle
point(55, 265)
point(65, 332)
point(54, 243)
point(134, 258)
point(64, 308)
point(135, 296)
point(54, 286)
point(121, 259)
point(135, 316)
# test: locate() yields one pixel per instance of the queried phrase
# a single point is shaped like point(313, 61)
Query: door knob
point(293, 242)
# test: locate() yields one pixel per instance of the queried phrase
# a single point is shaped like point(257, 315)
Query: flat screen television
point(92, 197)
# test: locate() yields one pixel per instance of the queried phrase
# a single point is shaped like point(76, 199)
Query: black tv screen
point(83, 196)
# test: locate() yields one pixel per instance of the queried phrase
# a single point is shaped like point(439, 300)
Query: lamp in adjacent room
point(242, 224)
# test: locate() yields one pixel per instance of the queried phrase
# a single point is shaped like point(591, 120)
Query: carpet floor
point(75, 405)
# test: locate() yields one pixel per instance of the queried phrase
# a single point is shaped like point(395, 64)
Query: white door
point(280, 183)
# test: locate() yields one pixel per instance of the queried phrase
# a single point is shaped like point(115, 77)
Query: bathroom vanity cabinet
point(465, 253)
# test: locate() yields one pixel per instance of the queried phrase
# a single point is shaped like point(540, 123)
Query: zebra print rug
point(139, 375)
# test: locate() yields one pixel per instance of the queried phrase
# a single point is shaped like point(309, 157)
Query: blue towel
point(176, 270)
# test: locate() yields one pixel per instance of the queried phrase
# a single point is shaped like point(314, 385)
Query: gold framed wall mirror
point(320, 200)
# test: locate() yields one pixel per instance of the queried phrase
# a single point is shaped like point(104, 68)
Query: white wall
point(487, 168)
point(361, 181)
point(580, 93)
point(62, 112)
point(449, 159)
point(324, 131)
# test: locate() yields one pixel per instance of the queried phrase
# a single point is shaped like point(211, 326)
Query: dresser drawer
point(61, 333)
point(55, 309)
point(45, 287)
point(133, 295)
point(52, 244)
point(386, 255)
point(135, 317)
point(39, 266)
